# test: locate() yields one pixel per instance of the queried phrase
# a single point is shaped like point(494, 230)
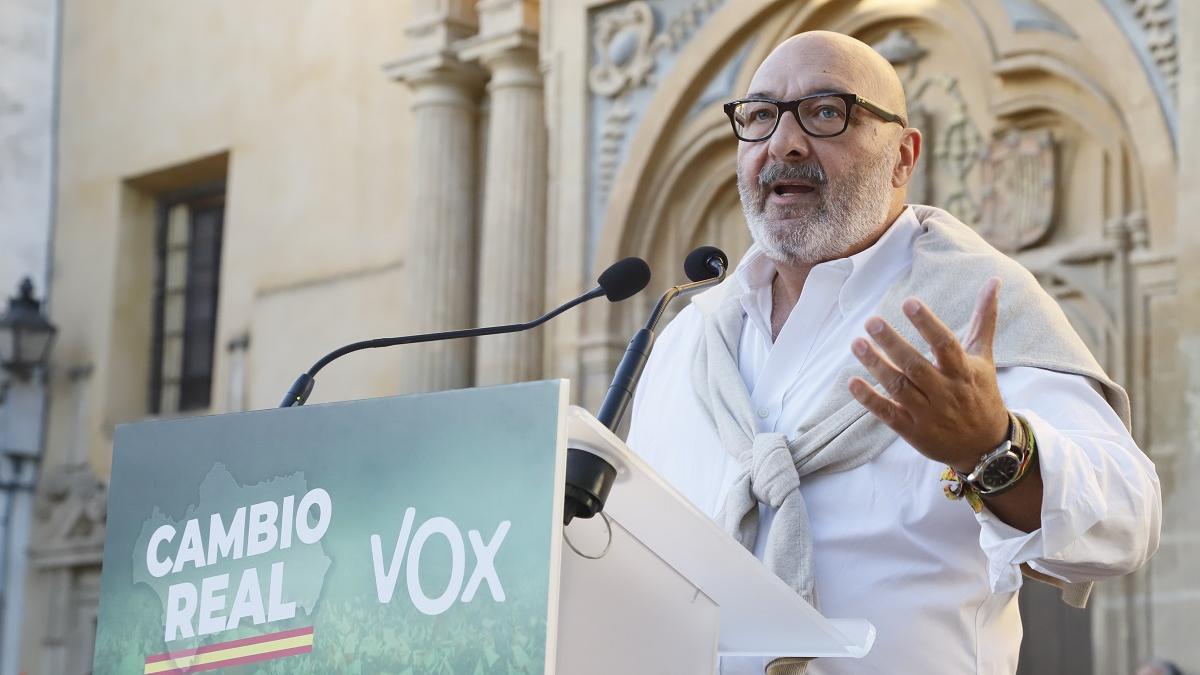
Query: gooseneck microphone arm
point(303, 385)
point(708, 271)
point(621, 280)
point(589, 476)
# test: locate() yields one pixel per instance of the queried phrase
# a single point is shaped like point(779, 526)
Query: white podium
point(422, 533)
point(672, 591)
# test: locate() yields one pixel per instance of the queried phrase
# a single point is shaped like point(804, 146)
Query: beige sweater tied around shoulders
point(950, 263)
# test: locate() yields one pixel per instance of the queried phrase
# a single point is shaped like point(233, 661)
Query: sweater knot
point(773, 474)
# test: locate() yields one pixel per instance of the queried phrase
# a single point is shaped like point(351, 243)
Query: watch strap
point(1023, 441)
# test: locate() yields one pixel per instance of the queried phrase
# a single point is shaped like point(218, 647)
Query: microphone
point(705, 263)
point(589, 477)
point(705, 266)
point(623, 279)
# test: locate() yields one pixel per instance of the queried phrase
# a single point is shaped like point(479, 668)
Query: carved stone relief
point(1153, 29)
point(1017, 199)
point(622, 50)
point(631, 43)
point(1157, 19)
point(71, 514)
point(1006, 188)
point(953, 142)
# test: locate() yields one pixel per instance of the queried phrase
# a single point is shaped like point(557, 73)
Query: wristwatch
point(1004, 467)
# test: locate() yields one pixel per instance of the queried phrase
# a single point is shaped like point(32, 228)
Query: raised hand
point(950, 409)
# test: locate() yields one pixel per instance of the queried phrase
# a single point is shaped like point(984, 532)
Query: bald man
point(861, 404)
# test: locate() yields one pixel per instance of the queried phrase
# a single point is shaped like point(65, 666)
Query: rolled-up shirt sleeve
point(1101, 500)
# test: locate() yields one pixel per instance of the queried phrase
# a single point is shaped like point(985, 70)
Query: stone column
point(55, 649)
point(1176, 594)
point(513, 229)
point(442, 198)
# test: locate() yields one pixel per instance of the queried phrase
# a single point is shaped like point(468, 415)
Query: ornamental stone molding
point(629, 46)
point(1157, 19)
point(680, 28)
point(1152, 27)
point(622, 43)
point(437, 24)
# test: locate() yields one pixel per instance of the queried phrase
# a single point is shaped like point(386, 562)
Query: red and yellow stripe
point(233, 652)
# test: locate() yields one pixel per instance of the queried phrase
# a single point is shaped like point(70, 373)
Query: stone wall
point(27, 49)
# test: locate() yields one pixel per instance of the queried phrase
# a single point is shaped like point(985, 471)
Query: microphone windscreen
point(699, 265)
point(624, 278)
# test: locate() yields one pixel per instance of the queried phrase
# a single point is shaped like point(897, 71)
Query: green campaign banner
point(400, 535)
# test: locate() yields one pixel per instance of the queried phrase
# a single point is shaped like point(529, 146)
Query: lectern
point(422, 534)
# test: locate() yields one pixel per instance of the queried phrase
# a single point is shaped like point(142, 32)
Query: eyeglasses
point(819, 115)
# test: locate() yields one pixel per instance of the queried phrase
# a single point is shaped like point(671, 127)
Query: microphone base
point(589, 480)
point(299, 391)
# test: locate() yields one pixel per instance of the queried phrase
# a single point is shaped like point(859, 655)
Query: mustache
point(810, 172)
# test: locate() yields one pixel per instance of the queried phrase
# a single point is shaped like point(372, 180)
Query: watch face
point(1000, 471)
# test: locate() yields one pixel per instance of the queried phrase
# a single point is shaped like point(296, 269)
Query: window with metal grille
point(185, 301)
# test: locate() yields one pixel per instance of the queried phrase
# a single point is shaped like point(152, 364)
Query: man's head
point(810, 199)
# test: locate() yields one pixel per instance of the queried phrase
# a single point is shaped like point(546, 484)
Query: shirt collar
point(879, 263)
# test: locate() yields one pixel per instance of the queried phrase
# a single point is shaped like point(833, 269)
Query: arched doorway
point(1045, 129)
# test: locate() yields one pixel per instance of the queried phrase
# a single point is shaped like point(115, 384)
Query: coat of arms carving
point(1017, 201)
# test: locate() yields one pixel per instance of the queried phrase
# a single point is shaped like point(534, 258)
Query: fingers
point(898, 381)
point(982, 334)
point(892, 413)
point(911, 362)
point(947, 351)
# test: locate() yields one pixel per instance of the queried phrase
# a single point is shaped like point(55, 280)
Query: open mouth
point(784, 189)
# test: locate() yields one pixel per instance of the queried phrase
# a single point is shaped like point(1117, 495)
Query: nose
point(789, 142)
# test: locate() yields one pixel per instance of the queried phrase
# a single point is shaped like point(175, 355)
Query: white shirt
point(938, 581)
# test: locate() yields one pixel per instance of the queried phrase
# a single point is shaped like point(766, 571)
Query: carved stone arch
point(1109, 260)
point(1036, 85)
point(955, 18)
point(1092, 176)
point(1102, 58)
point(755, 25)
point(690, 206)
point(702, 159)
point(1011, 54)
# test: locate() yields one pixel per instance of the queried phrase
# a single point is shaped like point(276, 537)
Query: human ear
point(910, 151)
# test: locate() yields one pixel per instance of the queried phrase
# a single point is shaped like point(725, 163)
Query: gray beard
point(845, 215)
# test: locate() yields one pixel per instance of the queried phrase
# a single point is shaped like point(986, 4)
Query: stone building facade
point(28, 52)
point(388, 167)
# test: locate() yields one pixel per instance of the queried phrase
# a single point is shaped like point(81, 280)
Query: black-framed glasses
point(819, 115)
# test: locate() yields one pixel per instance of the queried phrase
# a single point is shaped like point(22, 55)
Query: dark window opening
point(187, 275)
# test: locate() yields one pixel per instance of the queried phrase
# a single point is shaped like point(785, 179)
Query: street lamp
point(25, 334)
point(25, 338)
